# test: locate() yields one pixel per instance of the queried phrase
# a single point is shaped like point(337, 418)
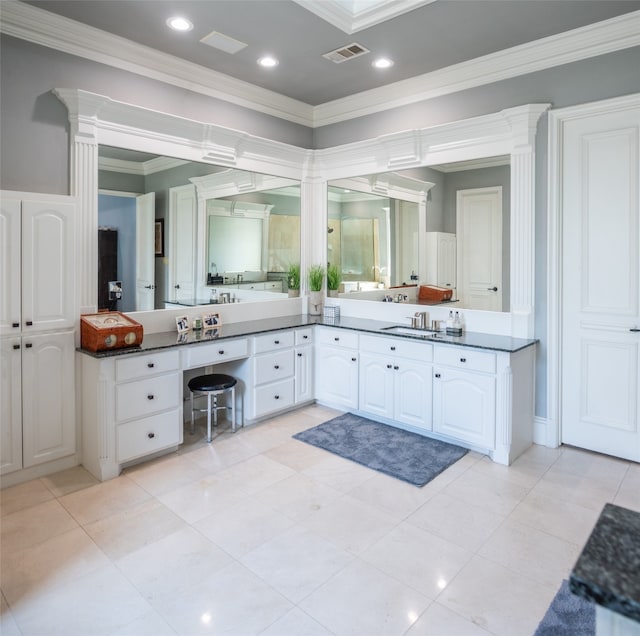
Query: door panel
point(145, 260)
point(600, 283)
point(479, 236)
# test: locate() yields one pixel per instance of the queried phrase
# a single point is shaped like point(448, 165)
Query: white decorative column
point(523, 122)
point(313, 225)
point(83, 163)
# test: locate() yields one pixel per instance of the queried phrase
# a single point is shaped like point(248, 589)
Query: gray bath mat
point(401, 454)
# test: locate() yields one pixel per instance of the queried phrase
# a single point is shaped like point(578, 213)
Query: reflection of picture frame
point(158, 237)
point(209, 321)
point(182, 324)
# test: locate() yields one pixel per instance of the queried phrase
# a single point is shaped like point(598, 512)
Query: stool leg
point(208, 417)
point(233, 409)
point(193, 425)
point(215, 410)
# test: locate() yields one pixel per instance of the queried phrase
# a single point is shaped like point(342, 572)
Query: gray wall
point(34, 128)
point(34, 123)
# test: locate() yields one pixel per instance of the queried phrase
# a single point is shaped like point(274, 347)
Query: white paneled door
point(479, 247)
point(145, 265)
point(600, 334)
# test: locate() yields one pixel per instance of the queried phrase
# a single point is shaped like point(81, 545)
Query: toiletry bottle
point(449, 324)
point(457, 323)
point(214, 296)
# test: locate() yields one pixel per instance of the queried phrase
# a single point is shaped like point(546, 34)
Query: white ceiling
point(438, 46)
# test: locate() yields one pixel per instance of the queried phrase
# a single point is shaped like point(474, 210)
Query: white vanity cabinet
point(395, 380)
point(337, 367)
point(485, 398)
point(303, 340)
point(464, 395)
point(131, 408)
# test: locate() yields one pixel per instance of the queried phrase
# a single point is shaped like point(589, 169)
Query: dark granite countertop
point(608, 569)
point(156, 341)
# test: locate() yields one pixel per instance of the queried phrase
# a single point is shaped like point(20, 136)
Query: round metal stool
point(213, 385)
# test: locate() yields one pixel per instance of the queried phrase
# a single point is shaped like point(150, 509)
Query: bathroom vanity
point(476, 390)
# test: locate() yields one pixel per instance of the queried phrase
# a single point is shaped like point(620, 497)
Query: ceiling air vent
point(346, 53)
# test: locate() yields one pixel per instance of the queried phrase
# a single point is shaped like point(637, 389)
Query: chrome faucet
point(421, 319)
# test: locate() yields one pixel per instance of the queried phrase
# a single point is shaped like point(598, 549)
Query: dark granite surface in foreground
point(608, 569)
point(155, 341)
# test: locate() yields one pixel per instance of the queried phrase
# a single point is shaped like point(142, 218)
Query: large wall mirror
point(169, 229)
point(445, 225)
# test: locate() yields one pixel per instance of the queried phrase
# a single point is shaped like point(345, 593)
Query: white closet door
point(600, 282)
point(183, 215)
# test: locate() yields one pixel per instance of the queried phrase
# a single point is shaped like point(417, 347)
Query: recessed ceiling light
point(268, 61)
point(178, 23)
point(382, 62)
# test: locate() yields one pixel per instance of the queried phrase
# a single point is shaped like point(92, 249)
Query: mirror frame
point(96, 119)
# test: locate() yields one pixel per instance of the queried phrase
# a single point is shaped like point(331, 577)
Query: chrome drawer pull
point(437, 375)
point(150, 365)
point(150, 396)
point(299, 355)
point(388, 366)
point(463, 359)
point(276, 342)
point(277, 397)
point(151, 435)
point(276, 366)
point(221, 352)
point(337, 339)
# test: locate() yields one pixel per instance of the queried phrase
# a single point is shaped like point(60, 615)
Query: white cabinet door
point(48, 265)
point(304, 373)
point(600, 197)
point(10, 266)
point(464, 406)
point(440, 259)
point(412, 393)
point(10, 405)
point(181, 252)
point(337, 377)
point(48, 388)
point(376, 385)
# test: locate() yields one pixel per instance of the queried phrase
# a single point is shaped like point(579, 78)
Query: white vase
point(315, 303)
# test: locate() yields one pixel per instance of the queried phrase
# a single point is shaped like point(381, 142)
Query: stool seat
point(212, 382)
point(213, 385)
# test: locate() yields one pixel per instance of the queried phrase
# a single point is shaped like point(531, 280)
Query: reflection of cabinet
point(337, 367)
point(440, 259)
point(395, 380)
point(181, 251)
point(464, 395)
point(37, 315)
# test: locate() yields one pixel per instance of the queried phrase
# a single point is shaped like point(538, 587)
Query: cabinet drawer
point(273, 397)
point(269, 367)
point(273, 341)
point(140, 366)
point(463, 358)
point(397, 347)
point(338, 338)
point(148, 435)
point(220, 351)
point(144, 397)
point(273, 285)
point(304, 336)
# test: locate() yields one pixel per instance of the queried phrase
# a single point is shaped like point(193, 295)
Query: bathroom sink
point(411, 331)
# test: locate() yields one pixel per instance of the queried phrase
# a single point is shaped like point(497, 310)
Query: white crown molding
point(140, 168)
point(47, 29)
point(62, 34)
point(335, 12)
point(571, 46)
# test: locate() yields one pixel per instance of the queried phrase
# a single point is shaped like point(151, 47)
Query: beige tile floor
point(258, 533)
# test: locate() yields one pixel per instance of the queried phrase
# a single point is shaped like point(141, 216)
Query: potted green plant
point(293, 279)
point(333, 280)
point(315, 277)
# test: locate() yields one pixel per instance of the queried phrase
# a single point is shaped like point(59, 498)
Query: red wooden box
point(433, 293)
point(109, 330)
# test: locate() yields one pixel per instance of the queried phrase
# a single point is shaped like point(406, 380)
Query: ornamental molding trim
point(46, 29)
